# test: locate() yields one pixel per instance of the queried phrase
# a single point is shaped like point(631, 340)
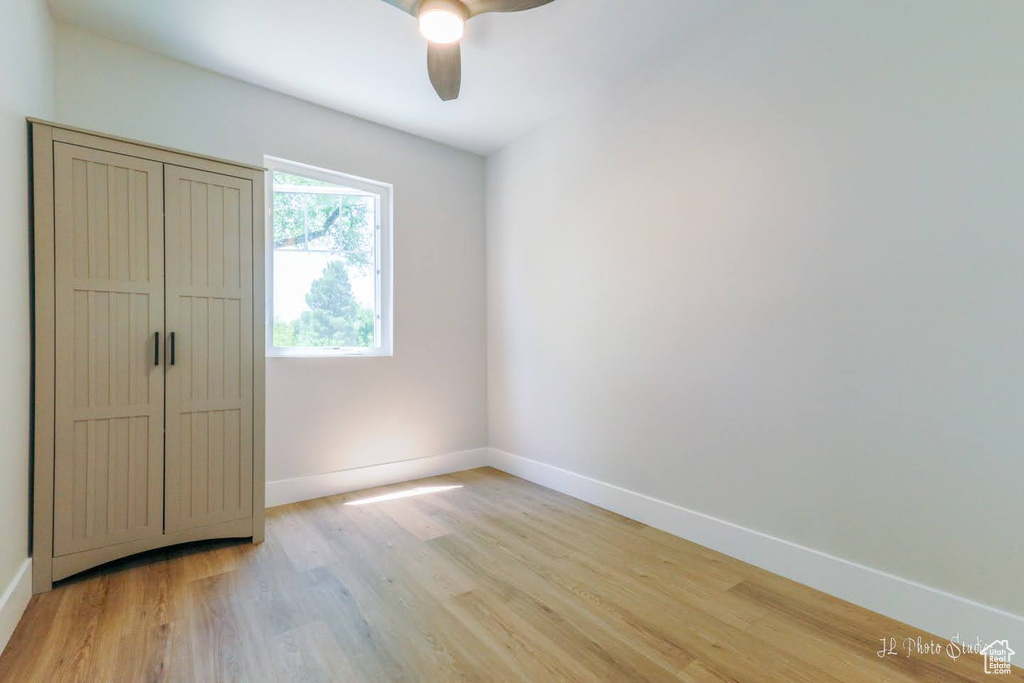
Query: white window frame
point(384, 257)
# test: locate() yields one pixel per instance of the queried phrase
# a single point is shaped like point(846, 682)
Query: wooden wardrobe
point(149, 351)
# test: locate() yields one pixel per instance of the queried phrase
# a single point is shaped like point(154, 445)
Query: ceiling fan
point(442, 23)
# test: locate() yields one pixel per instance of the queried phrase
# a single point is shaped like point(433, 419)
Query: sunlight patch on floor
point(408, 493)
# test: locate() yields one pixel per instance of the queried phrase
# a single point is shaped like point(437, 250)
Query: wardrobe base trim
point(68, 565)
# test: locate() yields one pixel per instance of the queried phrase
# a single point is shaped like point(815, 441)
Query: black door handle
point(156, 350)
point(172, 348)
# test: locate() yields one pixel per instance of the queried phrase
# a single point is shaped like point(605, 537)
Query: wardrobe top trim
point(138, 143)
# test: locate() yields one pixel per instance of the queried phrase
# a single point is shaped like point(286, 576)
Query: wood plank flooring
point(496, 580)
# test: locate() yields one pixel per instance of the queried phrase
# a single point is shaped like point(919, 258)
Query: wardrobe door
point(209, 323)
point(109, 295)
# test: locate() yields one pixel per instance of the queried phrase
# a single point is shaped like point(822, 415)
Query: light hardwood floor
point(499, 579)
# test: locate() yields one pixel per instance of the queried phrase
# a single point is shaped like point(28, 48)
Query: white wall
point(26, 89)
point(778, 278)
point(327, 414)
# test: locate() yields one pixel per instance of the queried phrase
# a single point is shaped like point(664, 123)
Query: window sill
point(329, 353)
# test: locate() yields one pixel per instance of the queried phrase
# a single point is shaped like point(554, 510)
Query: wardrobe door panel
point(109, 297)
point(209, 312)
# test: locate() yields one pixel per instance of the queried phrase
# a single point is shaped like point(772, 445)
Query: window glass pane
point(325, 265)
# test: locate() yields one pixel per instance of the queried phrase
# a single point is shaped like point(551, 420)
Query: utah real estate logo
point(997, 657)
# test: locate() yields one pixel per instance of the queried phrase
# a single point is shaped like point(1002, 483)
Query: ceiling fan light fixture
point(442, 22)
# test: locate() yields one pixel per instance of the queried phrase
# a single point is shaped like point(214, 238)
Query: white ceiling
point(366, 58)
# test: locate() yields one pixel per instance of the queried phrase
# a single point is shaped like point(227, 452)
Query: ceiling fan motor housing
point(453, 6)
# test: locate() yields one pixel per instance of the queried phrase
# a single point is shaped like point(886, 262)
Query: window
point(329, 268)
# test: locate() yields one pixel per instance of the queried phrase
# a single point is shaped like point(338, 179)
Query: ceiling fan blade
point(482, 6)
point(444, 62)
point(408, 6)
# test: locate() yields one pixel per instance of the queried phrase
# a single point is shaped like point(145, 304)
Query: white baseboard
point(14, 600)
point(929, 609)
point(286, 491)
